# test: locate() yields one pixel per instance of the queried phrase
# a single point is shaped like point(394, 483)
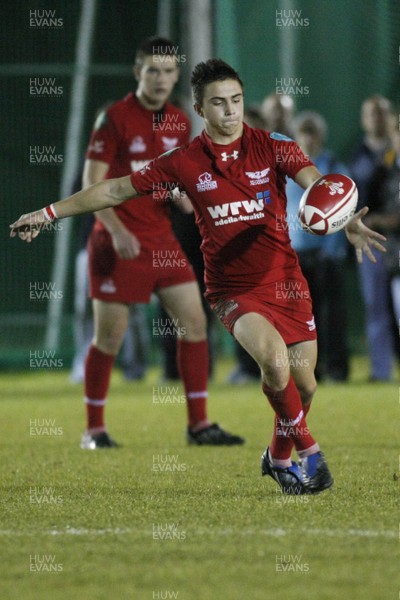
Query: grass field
point(159, 519)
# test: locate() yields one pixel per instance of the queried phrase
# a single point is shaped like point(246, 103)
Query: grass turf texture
point(101, 516)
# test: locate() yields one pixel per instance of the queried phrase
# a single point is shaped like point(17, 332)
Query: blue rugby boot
point(315, 473)
point(289, 479)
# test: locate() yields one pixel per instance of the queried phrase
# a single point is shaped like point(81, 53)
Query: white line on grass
point(277, 532)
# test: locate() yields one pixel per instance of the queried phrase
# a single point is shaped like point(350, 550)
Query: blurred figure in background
point(322, 258)
point(135, 349)
point(253, 117)
point(277, 111)
point(384, 215)
point(369, 156)
point(375, 118)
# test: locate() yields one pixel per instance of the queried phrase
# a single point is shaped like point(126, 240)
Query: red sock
point(281, 446)
point(291, 420)
point(192, 358)
point(98, 368)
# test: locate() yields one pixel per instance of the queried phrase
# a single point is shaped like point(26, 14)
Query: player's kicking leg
point(110, 323)
point(302, 360)
point(264, 343)
point(182, 302)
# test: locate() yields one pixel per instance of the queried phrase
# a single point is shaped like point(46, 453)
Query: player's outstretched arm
point(362, 237)
point(104, 194)
point(306, 176)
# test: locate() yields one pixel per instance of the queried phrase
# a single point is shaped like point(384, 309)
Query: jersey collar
point(236, 166)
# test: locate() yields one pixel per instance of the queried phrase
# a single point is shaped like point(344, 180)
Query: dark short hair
point(207, 72)
point(155, 46)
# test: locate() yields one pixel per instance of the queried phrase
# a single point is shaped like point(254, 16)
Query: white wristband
point(49, 213)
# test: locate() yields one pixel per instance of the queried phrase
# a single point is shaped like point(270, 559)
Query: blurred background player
point(369, 156)
point(322, 258)
point(128, 245)
point(135, 348)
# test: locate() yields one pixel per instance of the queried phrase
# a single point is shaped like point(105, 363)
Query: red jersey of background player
point(238, 194)
point(127, 136)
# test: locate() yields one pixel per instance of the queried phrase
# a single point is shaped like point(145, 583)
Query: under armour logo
point(234, 155)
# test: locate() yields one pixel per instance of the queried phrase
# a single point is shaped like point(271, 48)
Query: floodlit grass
point(159, 519)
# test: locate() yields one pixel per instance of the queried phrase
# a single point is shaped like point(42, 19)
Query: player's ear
point(198, 109)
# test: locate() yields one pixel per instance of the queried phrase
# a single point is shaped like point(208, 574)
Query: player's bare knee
point(275, 375)
point(109, 342)
point(307, 391)
point(194, 327)
point(275, 368)
point(276, 380)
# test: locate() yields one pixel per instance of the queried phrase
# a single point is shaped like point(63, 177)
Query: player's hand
point(182, 201)
point(362, 237)
point(28, 226)
point(125, 244)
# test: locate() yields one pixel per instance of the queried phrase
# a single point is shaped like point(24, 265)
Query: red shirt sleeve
point(104, 139)
point(164, 169)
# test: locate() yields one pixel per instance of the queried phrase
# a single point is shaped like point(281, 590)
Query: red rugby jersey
point(241, 208)
point(127, 136)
